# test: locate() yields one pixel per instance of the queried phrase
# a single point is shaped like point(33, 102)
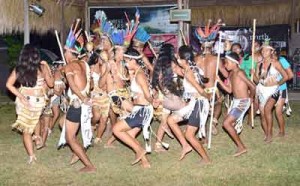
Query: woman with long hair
point(197, 109)
point(34, 76)
point(167, 89)
point(141, 112)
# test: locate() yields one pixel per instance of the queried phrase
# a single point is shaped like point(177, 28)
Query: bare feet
point(159, 148)
point(168, 132)
point(185, 151)
point(214, 127)
point(74, 159)
point(204, 162)
point(139, 156)
point(240, 152)
point(97, 140)
point(38, 142)
point(88, 169)
point(32, 159)
point(268, 139)
point(145, 163)
point(280, 134)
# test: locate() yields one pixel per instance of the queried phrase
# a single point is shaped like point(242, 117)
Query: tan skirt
point(28, 117)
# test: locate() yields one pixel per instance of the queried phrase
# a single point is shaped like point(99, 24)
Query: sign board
point(278, 35)
point(180, 15)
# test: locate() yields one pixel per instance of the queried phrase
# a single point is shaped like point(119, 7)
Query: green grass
point(277, 163)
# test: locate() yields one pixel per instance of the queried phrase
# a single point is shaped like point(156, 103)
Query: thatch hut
point(12, 15)
point(60, 13)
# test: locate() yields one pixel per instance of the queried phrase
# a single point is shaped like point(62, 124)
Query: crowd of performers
point(108, 79)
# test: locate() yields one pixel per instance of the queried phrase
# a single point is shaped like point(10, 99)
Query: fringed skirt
point(100, 101)
point(116, 97)
point(238, 110)
point(264, 93)
point(28, 117)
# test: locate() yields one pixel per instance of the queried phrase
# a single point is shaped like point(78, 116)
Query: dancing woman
point(168, 93)
point(33, 75)
point(268, 77)
point(196, 111)
point(142, 110)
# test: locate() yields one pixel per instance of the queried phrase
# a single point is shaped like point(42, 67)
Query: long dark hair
point(28, 65)
point(186, 52)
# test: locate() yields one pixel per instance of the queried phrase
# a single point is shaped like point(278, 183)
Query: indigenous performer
point(141, 37)
point(281, 96)
point(246, 66)
point(208, 63)
point(58, 100)
point(41, 130)
point(268, 78)
point(33, 75)
point(79, 113)
point(99, 72)
point(141, 112)
point(197, 109)
point(239, 86)
point(118, 74)
point(168, 93)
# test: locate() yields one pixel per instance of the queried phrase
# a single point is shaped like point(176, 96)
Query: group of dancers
point(108, 79)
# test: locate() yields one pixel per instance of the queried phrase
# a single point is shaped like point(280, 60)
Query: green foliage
point(15, 44)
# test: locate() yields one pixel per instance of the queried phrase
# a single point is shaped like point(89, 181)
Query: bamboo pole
point(60, 48)
point(214, 93)
point(252, 67)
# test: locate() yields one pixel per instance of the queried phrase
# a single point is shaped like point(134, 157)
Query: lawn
point(277, 163)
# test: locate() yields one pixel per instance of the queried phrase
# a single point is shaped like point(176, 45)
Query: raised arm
point(47, 74)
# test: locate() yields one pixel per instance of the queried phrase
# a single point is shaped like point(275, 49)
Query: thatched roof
point(233, 12)
point(243, 15)
point(12, 16)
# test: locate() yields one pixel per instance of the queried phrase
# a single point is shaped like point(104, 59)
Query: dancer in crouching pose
point(141, 112)
point(238, 86)
point(197, 109)
point(33, 75)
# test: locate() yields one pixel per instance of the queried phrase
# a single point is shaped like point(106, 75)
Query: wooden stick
point(152, 49)
point(214, 93)
point(60, 48)
point(183, 38)
point(252, 67)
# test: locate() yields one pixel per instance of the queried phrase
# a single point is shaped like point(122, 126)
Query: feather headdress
point(209, 34)
point(142, 35)
point(118, 37)
point(266, 44)
point(75, 41)
point(102, 25)
point(131, 27)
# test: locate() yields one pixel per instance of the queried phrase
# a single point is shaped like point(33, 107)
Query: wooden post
point(86, 15)
point(187, 24)
point(62, 23)
point(180, 24)
point(26, 23)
